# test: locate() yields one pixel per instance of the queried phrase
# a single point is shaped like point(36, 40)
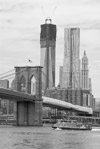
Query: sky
point(20, 22)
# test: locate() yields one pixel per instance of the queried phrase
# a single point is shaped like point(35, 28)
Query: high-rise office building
point(85, 76)
point(71, 63)
point(48, 51)
point(4, 104)
point(60, 75)
point(4, 84)
point(90, 84)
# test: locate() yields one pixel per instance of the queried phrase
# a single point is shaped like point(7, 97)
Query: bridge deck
point(15, 95)
point(65, 105)
point(19, 96)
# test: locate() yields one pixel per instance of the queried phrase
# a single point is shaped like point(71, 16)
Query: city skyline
point(20, 32)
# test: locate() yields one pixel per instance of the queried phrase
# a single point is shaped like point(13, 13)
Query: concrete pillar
point(38, 113)
point(22, 113)
point(28, 113)
point(15, 114)
point(31, 113)
point(8, 102)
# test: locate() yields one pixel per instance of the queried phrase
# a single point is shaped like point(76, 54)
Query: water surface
point(47, 138)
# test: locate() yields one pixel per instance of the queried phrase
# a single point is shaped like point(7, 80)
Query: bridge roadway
point(15, 95)
point(47, 101)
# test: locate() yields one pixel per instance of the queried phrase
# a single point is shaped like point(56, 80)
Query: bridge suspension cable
point(3, 77)
point(8, 75)
point(6, 72)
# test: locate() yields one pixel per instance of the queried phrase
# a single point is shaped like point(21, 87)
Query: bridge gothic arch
point(29, 80)
point(22, 84)
point(33, 85)
point(24, 76)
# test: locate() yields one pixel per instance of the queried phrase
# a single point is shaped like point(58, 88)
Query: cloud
point(81, 3)
point(18, 6)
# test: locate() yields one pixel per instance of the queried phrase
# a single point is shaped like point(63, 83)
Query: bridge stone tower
point(29, 80)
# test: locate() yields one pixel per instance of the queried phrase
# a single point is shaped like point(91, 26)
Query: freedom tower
point(71, 62)
point(47, 59)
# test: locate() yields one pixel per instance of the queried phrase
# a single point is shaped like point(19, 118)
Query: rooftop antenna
point(53, 12)
point(44, 14)
point(49, 19)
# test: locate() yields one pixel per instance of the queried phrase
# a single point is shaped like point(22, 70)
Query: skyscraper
point(86, 81)
point(4, 104)
point(71, 63)
point(60, 75)
point(47, 60)
point(90, 84)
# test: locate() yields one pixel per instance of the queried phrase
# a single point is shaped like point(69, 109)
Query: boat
point(71, 125)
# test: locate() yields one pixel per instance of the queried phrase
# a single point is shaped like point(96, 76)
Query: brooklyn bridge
point(28, 107)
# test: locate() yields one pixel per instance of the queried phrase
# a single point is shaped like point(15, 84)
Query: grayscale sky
point(20, 22)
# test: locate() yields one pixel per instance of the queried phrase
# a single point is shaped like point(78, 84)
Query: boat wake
point(96, 129)
point(58, 128)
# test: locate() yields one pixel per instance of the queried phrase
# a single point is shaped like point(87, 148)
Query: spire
point(85, 80)
point(84, 56)
point(84, 53)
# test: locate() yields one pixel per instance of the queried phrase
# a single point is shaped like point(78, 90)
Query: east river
point(46, 138)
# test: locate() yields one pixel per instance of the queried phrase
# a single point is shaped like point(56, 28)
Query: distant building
point(90, 85)
point(75, 84)
point(71, 63)
point(74, 96)
point(4, 104)
point(4, 84)
point(88, 99)
point(48, 53)
point(60, 75)
point(13, 87)
point(85, 74)
point(97, 103)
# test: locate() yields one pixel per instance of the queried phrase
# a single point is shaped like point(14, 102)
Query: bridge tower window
point(33, 85)
point(22, 84)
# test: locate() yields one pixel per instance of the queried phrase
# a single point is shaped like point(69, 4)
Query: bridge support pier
point(28, 113)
